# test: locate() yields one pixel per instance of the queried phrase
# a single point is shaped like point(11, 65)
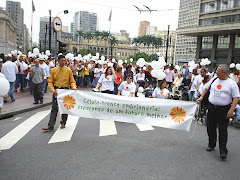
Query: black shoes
point(223, 156)
point(209, 148)
point(36, 102)
point(41, 101)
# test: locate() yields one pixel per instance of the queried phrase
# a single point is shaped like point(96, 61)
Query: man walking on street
point(20, 78)
point(61, 77)
point(9, 69)
point(46, 71)
point(37, 81)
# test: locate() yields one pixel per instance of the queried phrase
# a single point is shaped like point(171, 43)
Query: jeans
point(44, 86)
point(10, 92)
point(85, 80)
point(53, 115)
point(237, 109)
point(79, 81)
point(19, 79)
point(191, 95)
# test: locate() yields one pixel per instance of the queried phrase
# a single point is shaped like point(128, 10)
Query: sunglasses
point(129, 78)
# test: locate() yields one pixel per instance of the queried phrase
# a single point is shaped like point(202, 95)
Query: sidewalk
point(24, 102)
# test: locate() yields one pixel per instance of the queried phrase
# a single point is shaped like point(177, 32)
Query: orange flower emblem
point(178, 114)
point(107, 79)
point(127, 88)
point(161, 93)
point(219, 86)
point(69, 102)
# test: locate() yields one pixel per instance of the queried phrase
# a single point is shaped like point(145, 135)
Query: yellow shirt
point(86, 71)
point(61, 77)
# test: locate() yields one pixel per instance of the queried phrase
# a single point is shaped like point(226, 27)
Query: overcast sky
point(124, 15)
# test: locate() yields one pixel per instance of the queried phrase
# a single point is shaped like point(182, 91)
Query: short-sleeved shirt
point(222, 91)
point(107, 82)
point(140, 77)
point(37, 73)
point(198, 80)
point(97, 70)
point(169, 75)
point(126, 88)
point(160, 93)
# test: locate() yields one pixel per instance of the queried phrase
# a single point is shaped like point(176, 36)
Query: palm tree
point(113, 42)
point(97, 35)
point(105, 35)
point(80, 34)
point(88, 36)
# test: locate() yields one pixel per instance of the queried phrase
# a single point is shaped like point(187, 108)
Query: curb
point(18, 111)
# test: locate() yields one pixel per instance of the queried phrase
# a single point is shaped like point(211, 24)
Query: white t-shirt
point(123, 70)
point(9, 69)
point(46, 70)
point(96, 70)
point(1, 99)
point(140, 77)
point(198, 80)
point(21, 64)
point(107, 82)
point(201, 88)
point(126, 88)
point(193, 88)
point(222, 91)
point(160, 93)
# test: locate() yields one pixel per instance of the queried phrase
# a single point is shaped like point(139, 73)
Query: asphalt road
point(130, 154)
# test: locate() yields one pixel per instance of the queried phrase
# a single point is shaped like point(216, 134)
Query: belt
point(61, 87)
point(218, 107)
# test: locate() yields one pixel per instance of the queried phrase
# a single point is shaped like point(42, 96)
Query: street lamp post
point(50, 29)
point(167, 44)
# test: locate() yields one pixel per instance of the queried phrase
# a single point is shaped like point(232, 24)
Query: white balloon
point(232, 65)
point(4, 88)
point(36, 51)
point(97, 54)
point(25, 67)
point(113, 60)
point(48, 53)
point(140, 89)
point(238, 66)
point(159, 74)
point(103, 58)
point(141, 62)
point(12, 52)
point(120, 62)
point(158, 53)
point(177, 67)
point(144, 68)
point(110, 64)
point(15, 52)
point(125, 61)
point(131, 59)
point(202, 63)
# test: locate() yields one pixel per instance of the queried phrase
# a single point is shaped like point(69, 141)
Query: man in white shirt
point(127, 88)
point(198, 80)
point(9, 69)
point(46, 71)
point(223, 98)
point(20, 77)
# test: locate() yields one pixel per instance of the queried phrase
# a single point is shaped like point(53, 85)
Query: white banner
point(171, 114)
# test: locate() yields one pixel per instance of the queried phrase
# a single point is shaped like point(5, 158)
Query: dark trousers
point(217, 117)
point(85, 80)
point(19, 79)
point(53, 115)
point(37, 92)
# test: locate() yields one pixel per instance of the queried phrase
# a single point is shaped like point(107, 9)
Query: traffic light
point(62, 46)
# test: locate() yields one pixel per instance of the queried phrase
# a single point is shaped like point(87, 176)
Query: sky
point(124, 15)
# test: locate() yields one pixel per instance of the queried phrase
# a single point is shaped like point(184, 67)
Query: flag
point(33, 7)
point(110, 16)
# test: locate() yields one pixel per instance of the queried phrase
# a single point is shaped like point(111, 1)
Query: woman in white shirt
point(202, 85)
point(107, 81)
point(127, 88)
point(161, 92)
point(141, 79)
point(97, 74)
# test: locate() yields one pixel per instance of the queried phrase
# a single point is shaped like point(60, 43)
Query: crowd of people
point(217, 91)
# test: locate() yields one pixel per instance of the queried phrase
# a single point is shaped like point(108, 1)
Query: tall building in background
point(217, 31)
point(44, 34)
point(188, 17)
point(8, 33)
point(65, 29)
point(150, 30)
point(17, 14)
point(26, 39)
point(85, 21)
point(142, 28)
point(71, 28)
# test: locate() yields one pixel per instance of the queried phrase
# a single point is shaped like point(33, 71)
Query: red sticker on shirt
point(127, 88)
point(107, 79)
point(161, 93)
point(219, 86)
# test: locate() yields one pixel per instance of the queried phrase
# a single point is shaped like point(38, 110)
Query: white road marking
point(107, 128)
point(143, 127)
point(17, 118)
point(7, 141)
point(62, 135)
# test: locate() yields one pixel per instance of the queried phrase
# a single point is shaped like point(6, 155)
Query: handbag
point(205, 98)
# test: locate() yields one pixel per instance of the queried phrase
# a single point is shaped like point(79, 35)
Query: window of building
point(223, 42)
point(207, 42)
point(208, 7)
point(226, 4)
point(237, 41)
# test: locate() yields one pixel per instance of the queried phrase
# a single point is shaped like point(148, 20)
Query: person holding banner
point(61, 77)
point(127, 88)
point(161, 91)
point(223, 98)
point(107, 81)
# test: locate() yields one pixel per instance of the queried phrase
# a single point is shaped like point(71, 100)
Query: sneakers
point(62, 126)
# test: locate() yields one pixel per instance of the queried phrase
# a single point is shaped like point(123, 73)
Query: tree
point(97, 35)
point(79, 34)
point(88, 36)
point(113, 42)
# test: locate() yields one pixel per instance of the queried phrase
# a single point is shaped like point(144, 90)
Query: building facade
point(150, 30)
point(17, 14)
point(188, 17)
point(26, 40)
point(44, 34)
point(8, 35)
point(217, 31)
point(85, 21)
point(142, 28)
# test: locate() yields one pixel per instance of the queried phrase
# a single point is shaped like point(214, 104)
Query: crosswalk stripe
point(7, 141)
point(62, 135)
point(107, 128)
point(143, 127)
